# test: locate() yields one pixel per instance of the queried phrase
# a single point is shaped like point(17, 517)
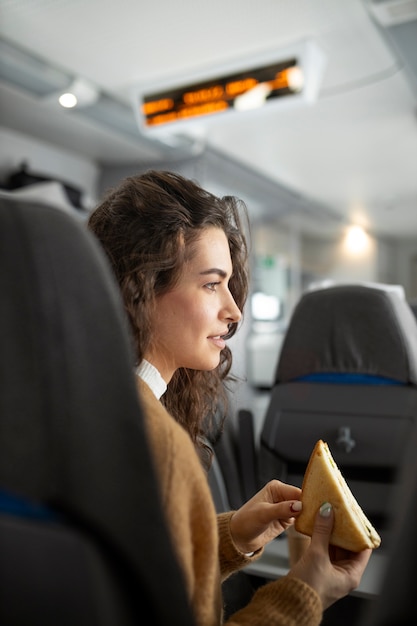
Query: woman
point(180, 256)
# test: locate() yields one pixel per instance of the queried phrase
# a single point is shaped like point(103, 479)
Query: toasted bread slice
point(323, 482)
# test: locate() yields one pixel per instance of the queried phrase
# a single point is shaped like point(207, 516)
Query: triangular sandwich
point(323, 482)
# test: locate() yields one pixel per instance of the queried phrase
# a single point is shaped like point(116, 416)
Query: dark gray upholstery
point(72, 439)
point(247, 453)
point(351, 331)
point(396, 605)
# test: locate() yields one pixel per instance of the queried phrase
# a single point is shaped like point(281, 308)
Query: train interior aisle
point(307, 110)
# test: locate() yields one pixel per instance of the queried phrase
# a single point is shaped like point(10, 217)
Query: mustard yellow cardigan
point(201, 538)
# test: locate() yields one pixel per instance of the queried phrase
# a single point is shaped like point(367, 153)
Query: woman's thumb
point(324, 524)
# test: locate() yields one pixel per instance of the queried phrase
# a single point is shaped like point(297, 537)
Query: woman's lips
point(218, 341)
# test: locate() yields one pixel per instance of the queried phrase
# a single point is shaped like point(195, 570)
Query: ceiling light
point(356, 240)
point(67, 100)
point(80, 93)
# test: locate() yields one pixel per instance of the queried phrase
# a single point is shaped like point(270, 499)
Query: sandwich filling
point(351, 500)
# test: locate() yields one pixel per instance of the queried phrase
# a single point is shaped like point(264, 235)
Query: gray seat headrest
point(352, 329)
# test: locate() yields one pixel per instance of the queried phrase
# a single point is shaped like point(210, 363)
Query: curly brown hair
point(147, 226)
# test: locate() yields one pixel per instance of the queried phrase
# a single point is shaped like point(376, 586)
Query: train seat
point(83, 538)
point(347, 374)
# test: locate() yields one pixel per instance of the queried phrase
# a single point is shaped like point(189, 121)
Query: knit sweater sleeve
point(284, 602)
point(230, 558)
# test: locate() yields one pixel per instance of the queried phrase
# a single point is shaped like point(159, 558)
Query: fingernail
point(296, 506)
point(325, 509)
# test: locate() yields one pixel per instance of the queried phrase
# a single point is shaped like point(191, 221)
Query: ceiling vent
point(392, 12)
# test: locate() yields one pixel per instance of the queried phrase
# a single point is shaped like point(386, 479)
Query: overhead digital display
point(241, 90)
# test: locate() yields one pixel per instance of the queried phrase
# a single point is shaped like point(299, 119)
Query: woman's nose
point(232, 311)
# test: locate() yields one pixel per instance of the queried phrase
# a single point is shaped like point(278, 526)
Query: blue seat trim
point(347, 379)
point(13, 504)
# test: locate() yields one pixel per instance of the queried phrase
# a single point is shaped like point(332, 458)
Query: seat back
point(396, 603)
point(73, 444)
point(248, 462)
point(224, 474)
point(347, 374)
point(54, 573)
point(233, 476)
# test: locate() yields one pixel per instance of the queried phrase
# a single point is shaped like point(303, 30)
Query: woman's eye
point(212, 286)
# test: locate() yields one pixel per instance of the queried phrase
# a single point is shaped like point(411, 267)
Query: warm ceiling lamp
point(356, 240)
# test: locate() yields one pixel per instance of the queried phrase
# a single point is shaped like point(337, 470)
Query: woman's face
point(193, 317)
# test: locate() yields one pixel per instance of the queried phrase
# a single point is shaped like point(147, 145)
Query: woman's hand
point(265, 516)
point(331, 571)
